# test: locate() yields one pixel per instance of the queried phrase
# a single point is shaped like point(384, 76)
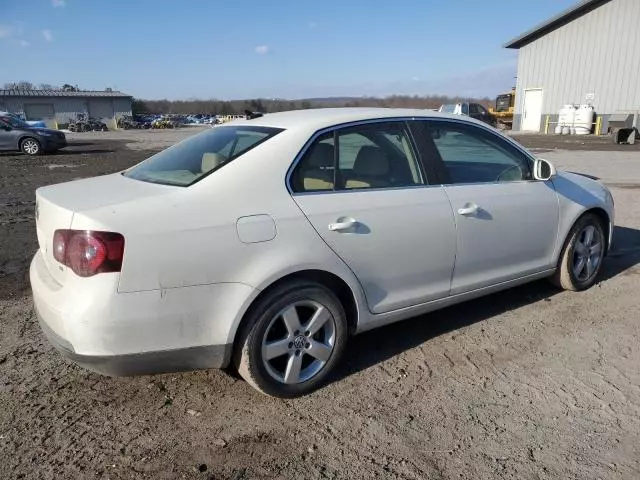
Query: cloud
point(23, 43)
point(262, 49)
point(6, 31)
point(48, 36)
point(58, 3)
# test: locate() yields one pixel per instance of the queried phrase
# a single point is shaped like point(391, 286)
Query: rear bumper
point(113, 333)
point(167, 361)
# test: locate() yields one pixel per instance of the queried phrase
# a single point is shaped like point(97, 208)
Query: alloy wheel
point(31, 147)
point(587, 253)
point(298, 342)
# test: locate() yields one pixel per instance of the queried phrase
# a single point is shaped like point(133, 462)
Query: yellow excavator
point(503, 110)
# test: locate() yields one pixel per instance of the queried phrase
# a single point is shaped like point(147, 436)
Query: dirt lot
point(530, 383)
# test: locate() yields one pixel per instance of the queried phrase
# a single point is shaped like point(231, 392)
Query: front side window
point(192, 159)
point(378, 155)
point(472, 155)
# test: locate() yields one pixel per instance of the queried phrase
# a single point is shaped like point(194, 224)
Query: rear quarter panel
point(189, 238)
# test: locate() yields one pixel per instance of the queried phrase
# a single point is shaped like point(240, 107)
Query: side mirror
point(543, 169)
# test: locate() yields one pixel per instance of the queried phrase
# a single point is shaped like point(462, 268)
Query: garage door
point(101, 109)
point(38, 111)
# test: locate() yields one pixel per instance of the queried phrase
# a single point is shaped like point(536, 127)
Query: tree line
point(238, 107)
point(24, 85)
point(235, 107)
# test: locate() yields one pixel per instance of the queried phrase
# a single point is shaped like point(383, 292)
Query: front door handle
point(468, 209)
point(343, 223)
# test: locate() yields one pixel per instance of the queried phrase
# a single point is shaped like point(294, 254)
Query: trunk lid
point(56, 206)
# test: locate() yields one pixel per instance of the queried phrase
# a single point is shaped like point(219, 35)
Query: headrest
point(321, 155)
point(211, 161)
point(371, 161)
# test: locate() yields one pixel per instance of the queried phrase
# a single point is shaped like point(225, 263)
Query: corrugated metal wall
point(66, 109)
point(122, 106)
point(598, 53)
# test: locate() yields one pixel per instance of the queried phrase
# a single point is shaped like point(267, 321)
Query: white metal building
point(589, 54)
point(56, 107)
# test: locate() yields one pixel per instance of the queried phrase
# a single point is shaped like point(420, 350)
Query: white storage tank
point(584, 117)
point(566, 116)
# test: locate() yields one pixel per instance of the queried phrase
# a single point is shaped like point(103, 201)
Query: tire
point(314, 353)
point(30, 146)
point(581, 256)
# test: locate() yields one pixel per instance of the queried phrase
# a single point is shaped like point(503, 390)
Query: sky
point(291, 49)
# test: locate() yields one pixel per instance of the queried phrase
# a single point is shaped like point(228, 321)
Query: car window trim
point(443, 174)
point(335, 129)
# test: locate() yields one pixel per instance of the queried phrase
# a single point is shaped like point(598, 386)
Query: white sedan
point(264, 244)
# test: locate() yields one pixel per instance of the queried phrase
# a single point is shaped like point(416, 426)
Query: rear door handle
point(343, 223)
point(468, 209)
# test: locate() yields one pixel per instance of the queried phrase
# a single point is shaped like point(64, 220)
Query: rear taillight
point(87, 253)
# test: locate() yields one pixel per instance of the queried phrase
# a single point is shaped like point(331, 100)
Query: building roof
point(62, 93)
point(569, 15)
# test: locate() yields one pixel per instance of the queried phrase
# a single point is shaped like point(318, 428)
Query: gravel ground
point(530, 383)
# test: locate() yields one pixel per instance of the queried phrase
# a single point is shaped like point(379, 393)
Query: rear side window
point(196, 157)
point(370, 156)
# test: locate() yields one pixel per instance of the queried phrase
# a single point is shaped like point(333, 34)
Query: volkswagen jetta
point(265, 243)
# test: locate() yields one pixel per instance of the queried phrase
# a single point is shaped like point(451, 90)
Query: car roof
point(319, 118)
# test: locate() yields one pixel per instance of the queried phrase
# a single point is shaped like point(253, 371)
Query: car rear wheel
point(293, 337)
point(582, 254)
point(30, 146)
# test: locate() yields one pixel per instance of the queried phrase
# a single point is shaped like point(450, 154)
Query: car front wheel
point(292, 338)
point(30, 146)
point(582, 254)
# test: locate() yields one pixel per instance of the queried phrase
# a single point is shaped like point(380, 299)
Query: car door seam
point(364, 292)
point(455, 250)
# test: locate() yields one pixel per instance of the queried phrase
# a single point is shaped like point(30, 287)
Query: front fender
point(577, 195)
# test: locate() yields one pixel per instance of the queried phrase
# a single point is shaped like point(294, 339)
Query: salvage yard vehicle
point(84, 123)
point(473, 110)
point(266, 243)
point(17, 135)
point(126, 122)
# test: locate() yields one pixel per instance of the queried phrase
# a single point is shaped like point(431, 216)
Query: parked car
point(473, 110)
point(261, 245)
point(17, 135)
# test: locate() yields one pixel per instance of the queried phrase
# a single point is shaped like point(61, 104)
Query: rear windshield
point(448, 108)
point(192, 159)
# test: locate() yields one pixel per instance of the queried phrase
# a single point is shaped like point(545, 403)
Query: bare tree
point(24, 85)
